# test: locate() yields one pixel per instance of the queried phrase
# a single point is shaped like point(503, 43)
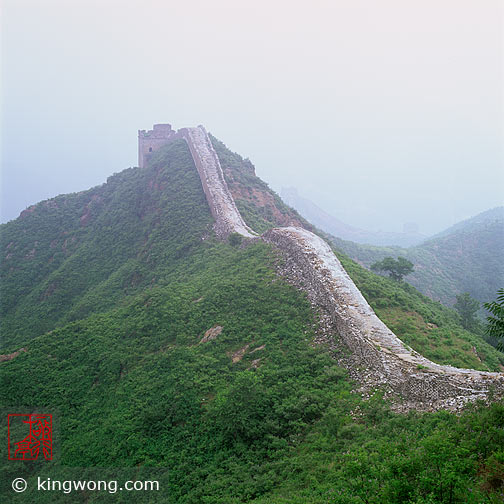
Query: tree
point(235, 239)
point(467, 308)
point(495, 323)
point(396, 268)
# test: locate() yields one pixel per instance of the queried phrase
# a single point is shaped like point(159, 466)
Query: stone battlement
point(151, 140)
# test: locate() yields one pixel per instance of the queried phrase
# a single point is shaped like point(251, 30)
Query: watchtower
point(151, 140)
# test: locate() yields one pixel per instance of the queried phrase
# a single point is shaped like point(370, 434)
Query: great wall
point(227, 217)
point(311, 265)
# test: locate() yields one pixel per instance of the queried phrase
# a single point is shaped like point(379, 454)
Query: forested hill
point(155, 345)
point(76, 255)
point(71, 256)
point(489, 216)
point(468, 257)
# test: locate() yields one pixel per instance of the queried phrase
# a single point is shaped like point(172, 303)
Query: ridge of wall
point(222, 205)
point(312, 266)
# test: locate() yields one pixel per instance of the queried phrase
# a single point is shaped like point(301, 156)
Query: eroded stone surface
point(379, 359)
point(13, 355)
point(311, 265)
point(211, 334)
point(238, 355)
point(227, 217)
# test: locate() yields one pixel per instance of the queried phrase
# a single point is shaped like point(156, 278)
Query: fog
point(382, 113)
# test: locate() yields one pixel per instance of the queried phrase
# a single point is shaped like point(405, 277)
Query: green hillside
point(468, 257)
point(79, 254)
point(493, 215)
point(425, 325)
point(171, 355)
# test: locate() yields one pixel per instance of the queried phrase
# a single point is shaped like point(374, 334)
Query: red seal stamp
point(33, 435)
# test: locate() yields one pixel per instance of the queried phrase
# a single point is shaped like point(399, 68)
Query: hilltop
point(489, 216)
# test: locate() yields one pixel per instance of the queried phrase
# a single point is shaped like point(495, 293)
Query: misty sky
point(381, 112)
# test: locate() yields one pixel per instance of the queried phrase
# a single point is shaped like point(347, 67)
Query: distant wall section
point(227, 217)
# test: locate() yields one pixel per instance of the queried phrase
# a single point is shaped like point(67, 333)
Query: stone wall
point(311, 265)
point(152, 140)
point(227, 217)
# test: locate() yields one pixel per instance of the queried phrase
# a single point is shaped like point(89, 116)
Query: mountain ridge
point(492, 214)
point(255, 413)
point(336, 227)
point(376, 345)
point(467, 257)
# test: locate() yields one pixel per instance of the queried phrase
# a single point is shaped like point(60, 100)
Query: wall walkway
point(313, 267)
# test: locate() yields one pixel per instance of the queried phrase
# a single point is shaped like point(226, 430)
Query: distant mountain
point(467, 257)
point(336, 227)
point(493, 215)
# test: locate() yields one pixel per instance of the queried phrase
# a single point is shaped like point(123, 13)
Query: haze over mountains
point(181, 323)
point(336, 227)
point(466, 257)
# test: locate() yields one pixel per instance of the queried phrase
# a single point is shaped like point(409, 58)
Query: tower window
point(150, 149)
